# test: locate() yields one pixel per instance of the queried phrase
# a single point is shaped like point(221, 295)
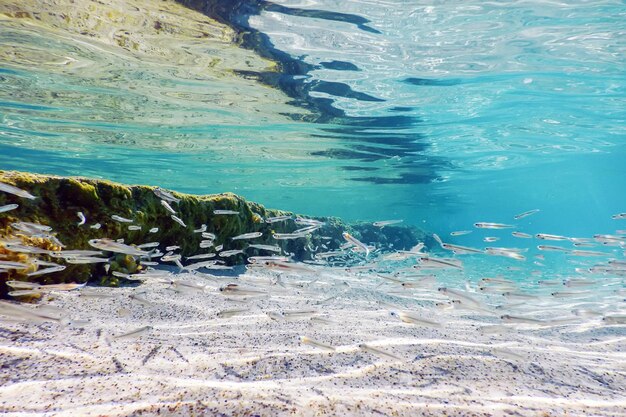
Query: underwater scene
point(312, 208)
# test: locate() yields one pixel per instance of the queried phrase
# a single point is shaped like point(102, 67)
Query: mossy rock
point(59, 199)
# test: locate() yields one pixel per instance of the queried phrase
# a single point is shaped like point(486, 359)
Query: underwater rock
point(131, 215)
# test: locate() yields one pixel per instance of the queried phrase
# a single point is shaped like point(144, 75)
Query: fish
point(19, 312)
point(587, 253)
point(22, 285)
point(148, 263)
point(219, 248)
point(11, 189)
point(460, 232)
point(96, 226)
point(552, 248)
point(206, 244)
point(133, 228)
point(236, 289)
point(86, 260)
point(506, 252)
point(112, 246)
point(517, 319)
point(82, 218)
point(165, 195)
point(121, 219)
point(201, 256)
point(13, 265)
point(310, 222)
point(153, 230)
point(202, 229)
point(198, 265)
point(170, 257)
point(25, 293)
point(430, 262)
point(251, 235)
point(32, 229)
point(351, 239)
point(378, 352)
point(47, 270)
point(491, 239)
point(171, 248)
point(526, 214)
point(413, 319)
point(188, 285)
point(225, 212)
point(283, 236)
point(486, 225)
point(615, 319)
point(178, 220)
point(134, 333)
point(545, 236)
point(308, 341)
point(619, 216)
point(168, 207)
point(459, 295)
point(271, 248)
point(224, 314)
point(207, 235)
point(148, 245)
point(521, 235)
point(278, 218)
point(384, 223)
point(460, 249)
point(8, 207)
point(227, 253)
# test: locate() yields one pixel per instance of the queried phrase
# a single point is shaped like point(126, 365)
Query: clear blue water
point(456, 112)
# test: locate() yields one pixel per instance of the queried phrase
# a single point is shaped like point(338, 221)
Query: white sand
point(195, 363)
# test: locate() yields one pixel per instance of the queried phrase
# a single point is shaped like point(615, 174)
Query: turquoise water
point(441, 114)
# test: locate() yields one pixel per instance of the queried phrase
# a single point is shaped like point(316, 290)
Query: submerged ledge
point(59, 200)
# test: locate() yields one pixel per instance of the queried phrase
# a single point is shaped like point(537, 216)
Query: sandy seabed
point(211, 352)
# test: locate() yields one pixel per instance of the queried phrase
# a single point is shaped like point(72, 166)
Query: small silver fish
point(378, 352)
point(283, 236)
point(490, 239)
point(153, 230)
point(8, 207)
point(206, 244)
point(516, 319)
point(47, 270)
point(168, 207)
point(486, 225)
point(178, 220)
point(7, 188)
point(208, 235)
point(526, 214)
point(413, 319)
point(121, 219)
point(134, 333)
point(224, 314)
point(460, 249)
point(251, 235)
point(619, 216)
point(236, 289)
point(225, 212)
point(201, 256)
point(82, 218)
point(219, 247)
point(228, 253)
point(308, 341)
point(616, 319)
point(13, 265)
point(202, 229)
point(545, 236)
point(271, 248)
point(171, 248)
point(278, 219)
point(351, 239)
point(112, 246)
point(460, 232)
point(165, 195)
point(96, 226)
point(384, 223)
point(521, 235)
point(134, 228)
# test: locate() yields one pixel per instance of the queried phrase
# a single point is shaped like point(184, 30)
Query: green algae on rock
point(60, 199)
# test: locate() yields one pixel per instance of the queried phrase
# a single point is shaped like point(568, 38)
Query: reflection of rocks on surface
point(59, 199)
